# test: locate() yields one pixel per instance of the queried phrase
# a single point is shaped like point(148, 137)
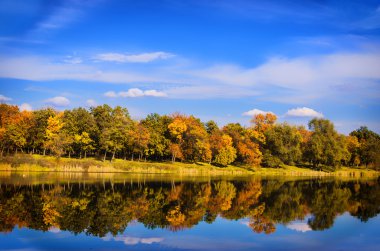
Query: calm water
point(116, 212)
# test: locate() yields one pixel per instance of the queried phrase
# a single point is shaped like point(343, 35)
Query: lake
point(63, 211)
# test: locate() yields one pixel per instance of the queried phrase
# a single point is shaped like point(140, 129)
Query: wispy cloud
point(372, 21)
point(58, 101)
point(135, 93)
point(133, 58)
point(64, 14)
point(4, 98)
point(298, 80)
point(303, 112)
point(73, 60)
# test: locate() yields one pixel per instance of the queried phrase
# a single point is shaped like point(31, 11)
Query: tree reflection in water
point(98, 209)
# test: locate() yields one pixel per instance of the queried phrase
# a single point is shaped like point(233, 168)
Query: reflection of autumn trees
point(99, 209)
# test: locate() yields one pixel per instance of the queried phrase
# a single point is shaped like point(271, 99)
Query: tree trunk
point(44, 151)
point(173, 157)
point(113, 155)
point(85, 154)
point(16, 150)
point(105, 155)
point(69, 154)
point(132, 156)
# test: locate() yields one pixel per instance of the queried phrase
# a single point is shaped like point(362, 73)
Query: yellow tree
point(223, 151)
point(176, 129)
point(16, 132)
point(262, 122)
point(140, 139)
point(353, 146)
point(55, 139)
point(85, 143)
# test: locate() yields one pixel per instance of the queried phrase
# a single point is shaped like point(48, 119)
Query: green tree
point(37, 132)
point(284, 142)
point(369, 146)
point(325, 146)
point(80, 124)
point(159, 138)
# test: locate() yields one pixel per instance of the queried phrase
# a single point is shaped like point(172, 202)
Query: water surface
point(138, 212)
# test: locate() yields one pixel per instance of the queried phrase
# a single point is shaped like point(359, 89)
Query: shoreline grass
point(38, 163)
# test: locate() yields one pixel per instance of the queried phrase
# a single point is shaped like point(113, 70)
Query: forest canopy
point(107, 133)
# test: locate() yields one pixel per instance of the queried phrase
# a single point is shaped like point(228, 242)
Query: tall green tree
point(80, 124)
point(284, 142)
point(369, 146)
point(325, 146)
point(159, 138)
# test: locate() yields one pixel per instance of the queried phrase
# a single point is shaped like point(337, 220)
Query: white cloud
point(54, 230)
point(299, 226)
point(25, 107)
point(91, 102)
point(110, 94)
point(135, 93)
point(4, 98)
point(301, 80)
point(132, 93)
point(58, 101)
point(128, 240)
point(133, 58)
point(303, 112)
point(154, 93)
point(255, 112)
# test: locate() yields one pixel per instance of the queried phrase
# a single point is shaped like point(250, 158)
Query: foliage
point(109, 130)
point(284, 142)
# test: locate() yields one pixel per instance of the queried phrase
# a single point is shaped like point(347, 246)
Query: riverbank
point(38, 163)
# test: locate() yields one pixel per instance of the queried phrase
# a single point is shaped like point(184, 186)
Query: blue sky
point(221, 60)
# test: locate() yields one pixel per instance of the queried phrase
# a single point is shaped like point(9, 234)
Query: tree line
point(99, 209)
point(108, 133)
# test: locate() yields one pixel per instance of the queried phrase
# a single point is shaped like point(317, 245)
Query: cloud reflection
point(129, 240)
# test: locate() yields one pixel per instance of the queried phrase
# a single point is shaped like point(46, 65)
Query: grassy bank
point(38, 163)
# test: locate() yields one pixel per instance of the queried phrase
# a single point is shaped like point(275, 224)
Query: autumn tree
point(139, 139)
point(222, 150)
point(262, 122)
point(56, 140)
point(196, 146)
point(177, 130)
point(191, 137)
point(248, 151)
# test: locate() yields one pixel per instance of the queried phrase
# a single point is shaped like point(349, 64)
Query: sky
point(218, 59)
